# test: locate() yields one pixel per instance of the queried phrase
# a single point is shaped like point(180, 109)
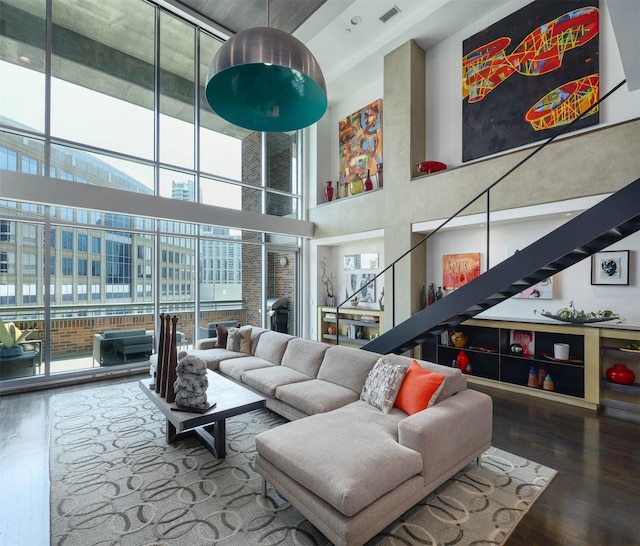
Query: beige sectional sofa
point(347, 466)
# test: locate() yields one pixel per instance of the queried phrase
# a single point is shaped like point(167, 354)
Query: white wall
point(443, 142)
point(572, 284)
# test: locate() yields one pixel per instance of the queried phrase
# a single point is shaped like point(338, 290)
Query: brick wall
point(71, 337)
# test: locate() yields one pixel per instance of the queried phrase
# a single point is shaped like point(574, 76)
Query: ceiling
point(349, 53)
point(237, 15)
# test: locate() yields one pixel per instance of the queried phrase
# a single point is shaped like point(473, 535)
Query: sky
point(86, 116)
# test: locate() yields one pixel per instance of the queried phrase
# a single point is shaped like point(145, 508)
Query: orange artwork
point(459, 269)
point(360, 142)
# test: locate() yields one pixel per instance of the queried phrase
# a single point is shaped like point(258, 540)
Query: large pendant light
point(264, 79)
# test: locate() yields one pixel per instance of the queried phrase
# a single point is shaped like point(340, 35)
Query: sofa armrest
point(98, 342)
point(450, 433)
point(208, 343)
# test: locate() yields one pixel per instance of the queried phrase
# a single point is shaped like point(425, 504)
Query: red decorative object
point(368, 184)
point(328, 191)
point(621, 374)
point(429, 167)
point(463, 360)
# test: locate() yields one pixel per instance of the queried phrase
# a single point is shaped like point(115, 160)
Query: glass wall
point(126, 112)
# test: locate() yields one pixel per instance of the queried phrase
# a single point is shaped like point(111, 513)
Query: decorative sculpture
point(191, 383)
point(173, 361)
point(160, 352)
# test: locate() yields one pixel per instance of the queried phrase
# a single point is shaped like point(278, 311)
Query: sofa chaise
point(349, 467)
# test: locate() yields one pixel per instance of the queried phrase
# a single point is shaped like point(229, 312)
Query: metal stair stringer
point(605, 223)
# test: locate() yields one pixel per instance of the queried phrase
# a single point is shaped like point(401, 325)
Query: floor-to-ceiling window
point(113, 97)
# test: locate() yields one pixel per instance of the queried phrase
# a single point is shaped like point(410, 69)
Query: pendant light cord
point(268, 14)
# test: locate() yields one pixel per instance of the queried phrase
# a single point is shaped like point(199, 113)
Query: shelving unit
point(349, 320)
point(576, 381)
point(619, 400)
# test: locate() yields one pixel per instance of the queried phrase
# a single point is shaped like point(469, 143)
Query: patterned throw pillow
point(419, 390)
point(239, 340)
point(382, 385)
point(221, 336)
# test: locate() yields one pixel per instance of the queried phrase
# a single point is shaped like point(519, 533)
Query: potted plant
point(327, 280)
point(10, 339)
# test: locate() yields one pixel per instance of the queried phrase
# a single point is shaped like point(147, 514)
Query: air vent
point(393, 11)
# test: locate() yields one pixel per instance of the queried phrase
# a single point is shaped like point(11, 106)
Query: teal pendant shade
point(264, 79)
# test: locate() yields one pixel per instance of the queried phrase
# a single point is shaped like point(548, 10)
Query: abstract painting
point(530, 74)
point(355, 281)
point(360, 143)
point(459, 269)
point(542, 290)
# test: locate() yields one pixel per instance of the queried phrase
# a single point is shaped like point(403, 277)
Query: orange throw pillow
point(419, 390)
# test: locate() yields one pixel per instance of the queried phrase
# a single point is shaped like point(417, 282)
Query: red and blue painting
point(530, 74)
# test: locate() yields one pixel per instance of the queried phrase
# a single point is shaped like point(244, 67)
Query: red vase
point(328, 191)
point(368, 183)
point(463, 360)
point(621, 374)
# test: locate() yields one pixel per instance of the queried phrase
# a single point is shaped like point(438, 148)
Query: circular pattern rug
point(115, 481)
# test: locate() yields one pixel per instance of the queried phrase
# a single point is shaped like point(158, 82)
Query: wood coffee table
point(210, 427)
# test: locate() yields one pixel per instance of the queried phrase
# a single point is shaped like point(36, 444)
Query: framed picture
point(528, 74)
point(356, 281)
point(360, 144)
point(361, 261)
point(459, 269)
point(542, 290)
point(610, 267)
point(525, 338)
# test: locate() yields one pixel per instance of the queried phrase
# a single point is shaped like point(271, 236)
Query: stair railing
point(487, 191)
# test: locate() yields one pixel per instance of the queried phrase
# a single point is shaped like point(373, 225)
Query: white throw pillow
point(239, 340)
point(382, 384)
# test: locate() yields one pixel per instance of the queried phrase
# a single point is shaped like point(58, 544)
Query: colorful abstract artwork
point(530, 74)
point(360, 143)
point(459, 269)
point(542, 290)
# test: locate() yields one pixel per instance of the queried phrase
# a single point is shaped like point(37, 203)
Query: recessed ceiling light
point(356, 20)
point(24, 59)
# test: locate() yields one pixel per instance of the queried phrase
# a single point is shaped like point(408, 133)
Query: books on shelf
point(368, 318)
point(330, 316)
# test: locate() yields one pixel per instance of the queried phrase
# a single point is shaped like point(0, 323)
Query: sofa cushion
point(212, 357)
point(382, 384)
point(454, 381)
point(222, 335)
point(347, 367)
point(315, 396)
point(267, 380)
point(272, 345)
point(419, 390)
point(239, 339)
point(304, 356)
point(349, 460)
point(235, 367)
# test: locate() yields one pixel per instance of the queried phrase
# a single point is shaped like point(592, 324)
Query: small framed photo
point(610, 267)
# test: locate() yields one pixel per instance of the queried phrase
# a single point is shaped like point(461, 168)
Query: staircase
point(609, 221)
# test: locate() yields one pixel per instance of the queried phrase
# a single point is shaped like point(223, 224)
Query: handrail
point(487, 190)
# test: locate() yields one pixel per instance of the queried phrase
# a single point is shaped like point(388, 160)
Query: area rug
point(115, 481)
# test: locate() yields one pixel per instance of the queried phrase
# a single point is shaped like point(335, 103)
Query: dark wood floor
point(593, 501)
